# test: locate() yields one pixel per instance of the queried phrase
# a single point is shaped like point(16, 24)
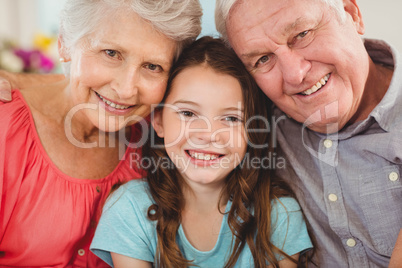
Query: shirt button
point(393, 176)
point(351, 242)
point(332, 197)
point(81, 252)
point(328, 144)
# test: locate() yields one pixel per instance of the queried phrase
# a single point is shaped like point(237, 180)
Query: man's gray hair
point(223, 7)
point(179, 20)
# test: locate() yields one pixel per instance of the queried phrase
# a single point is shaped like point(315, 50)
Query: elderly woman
point(63, 146)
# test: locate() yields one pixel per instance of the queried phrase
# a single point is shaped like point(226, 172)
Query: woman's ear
point(64, 57)
point(156, 121)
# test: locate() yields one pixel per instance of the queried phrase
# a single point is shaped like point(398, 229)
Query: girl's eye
point(187, 113)
point(154, 67)
point(232, 119)
point(111, 53)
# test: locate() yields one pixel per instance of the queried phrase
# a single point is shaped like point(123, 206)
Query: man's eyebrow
point(251, 54)
point(288, 29)
point(294, 25)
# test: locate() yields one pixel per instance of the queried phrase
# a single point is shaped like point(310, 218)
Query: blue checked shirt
point(349, 183)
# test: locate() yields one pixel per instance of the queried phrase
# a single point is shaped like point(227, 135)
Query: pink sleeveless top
point(47, 218)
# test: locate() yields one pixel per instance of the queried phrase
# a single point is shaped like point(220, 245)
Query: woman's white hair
point(179, 20)
point(223, 8)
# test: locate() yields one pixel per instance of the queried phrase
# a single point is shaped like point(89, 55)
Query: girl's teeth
point(202, 156)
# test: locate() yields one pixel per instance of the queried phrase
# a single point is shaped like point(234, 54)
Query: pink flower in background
point(35, 61)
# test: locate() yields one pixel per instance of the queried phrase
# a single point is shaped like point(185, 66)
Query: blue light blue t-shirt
point(124, 228)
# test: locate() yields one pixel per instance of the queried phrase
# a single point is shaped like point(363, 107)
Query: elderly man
point(342, 134)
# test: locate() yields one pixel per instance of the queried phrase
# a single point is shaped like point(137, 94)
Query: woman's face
point(120, 72)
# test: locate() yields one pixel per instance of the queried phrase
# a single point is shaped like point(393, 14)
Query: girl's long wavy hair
point(249, 188)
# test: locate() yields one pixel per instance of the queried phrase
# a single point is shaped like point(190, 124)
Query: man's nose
point(293, 65)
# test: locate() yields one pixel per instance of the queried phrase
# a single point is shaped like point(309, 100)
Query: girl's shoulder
point(134, 193)
point(285, 204)
point(288, 227)
point(285, 210)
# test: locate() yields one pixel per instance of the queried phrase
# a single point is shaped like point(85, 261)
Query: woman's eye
point(154, 67)
point(187, 113)
point(111, 53)
point(262, 60)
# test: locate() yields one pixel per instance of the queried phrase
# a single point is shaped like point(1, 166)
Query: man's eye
point(111, 53)
point(262, 60)
point(302, 34)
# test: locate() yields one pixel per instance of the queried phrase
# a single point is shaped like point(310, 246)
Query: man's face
point(308, 61)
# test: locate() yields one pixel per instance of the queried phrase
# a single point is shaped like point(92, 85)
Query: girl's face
point(120, 71)
point(202, 125)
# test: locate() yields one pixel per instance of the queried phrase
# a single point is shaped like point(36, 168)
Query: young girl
point(208, 200)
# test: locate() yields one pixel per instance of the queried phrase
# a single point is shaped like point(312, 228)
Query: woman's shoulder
point(9, 110)
point(15, 116)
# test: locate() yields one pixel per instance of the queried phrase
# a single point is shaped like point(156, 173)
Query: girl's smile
point(202, 124)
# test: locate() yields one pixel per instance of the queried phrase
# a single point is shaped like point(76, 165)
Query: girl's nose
point(205, 130)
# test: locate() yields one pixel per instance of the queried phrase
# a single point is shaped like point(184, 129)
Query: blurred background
point(28, 30)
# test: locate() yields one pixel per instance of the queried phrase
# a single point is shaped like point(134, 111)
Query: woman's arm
point(121, 261)
point(396, 257)
point(10, 81)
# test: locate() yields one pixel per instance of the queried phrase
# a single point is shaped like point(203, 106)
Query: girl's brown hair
point(249, 188)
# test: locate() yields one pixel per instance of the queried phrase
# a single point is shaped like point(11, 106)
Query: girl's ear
point(157, 123)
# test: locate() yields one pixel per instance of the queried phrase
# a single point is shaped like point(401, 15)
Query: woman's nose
point(128, 83)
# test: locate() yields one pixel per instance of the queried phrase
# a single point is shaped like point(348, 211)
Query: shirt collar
point(389, 108)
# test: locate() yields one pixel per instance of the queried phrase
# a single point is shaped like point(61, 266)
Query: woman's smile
point(114, 107)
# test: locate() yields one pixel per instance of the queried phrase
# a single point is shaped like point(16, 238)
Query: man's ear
point(353, 10)
point(156, 122)
point(64, 57)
